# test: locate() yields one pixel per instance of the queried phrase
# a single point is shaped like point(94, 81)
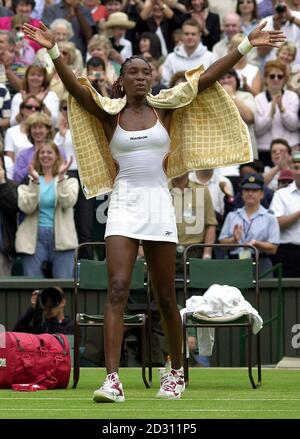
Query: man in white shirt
point(286, 206)
point(288, 22)
point(232, 25)
point(192, 53)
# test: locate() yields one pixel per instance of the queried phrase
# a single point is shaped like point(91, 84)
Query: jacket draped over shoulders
point(206, 131)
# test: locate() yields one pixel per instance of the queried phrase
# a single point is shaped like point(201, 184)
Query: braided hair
point(117, 91)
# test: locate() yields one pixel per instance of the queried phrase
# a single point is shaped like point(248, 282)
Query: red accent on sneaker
point(172, 385)
point(111, 390)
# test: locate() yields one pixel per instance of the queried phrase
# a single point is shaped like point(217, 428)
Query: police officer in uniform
point(252, 224)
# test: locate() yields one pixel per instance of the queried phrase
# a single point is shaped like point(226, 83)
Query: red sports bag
point(34, 359)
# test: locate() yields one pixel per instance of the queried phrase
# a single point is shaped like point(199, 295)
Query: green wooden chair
point(277, 315)
point(91, 276)
point(200, 274)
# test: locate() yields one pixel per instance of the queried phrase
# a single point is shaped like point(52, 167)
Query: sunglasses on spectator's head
point(273, 76)
point(32, 107)
point(245, 1)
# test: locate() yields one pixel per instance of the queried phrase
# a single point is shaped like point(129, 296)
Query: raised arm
point(45, 38)
point(85, 28)
point(258, 37)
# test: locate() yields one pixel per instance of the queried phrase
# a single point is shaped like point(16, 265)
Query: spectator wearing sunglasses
point(36, 82)
point(277, 111)
point(16, 136)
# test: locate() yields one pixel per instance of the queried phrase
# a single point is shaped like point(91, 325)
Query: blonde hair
point(291, 48)
point(99, 40)
point(42, 119)
point(58, 162)
point(69, 47)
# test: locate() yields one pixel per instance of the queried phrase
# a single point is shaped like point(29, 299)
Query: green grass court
point(212, 393)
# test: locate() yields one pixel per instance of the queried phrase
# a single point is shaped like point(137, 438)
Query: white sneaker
point(172, 385)
point(111, 390)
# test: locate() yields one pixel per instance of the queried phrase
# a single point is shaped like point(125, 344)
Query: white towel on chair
point(220, 303)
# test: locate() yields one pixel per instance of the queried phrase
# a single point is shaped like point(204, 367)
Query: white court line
point(151, 410)
point(46, 398)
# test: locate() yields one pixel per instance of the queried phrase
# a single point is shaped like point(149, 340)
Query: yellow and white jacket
point(206, 131)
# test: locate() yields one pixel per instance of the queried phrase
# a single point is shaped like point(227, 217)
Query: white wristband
point(245, 46)
point(54, 52)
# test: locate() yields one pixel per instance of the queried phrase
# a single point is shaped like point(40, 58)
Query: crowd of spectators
point(39, 190)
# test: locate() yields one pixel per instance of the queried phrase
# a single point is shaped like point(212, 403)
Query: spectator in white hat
point(116, 27)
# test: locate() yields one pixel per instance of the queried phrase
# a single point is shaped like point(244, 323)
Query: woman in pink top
point(276, 114)
point(24, 7)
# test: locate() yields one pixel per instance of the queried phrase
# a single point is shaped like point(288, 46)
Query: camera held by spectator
point(280, 8)
point(49, 300)
point(46, 313)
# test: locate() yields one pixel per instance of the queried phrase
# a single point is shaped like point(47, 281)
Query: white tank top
point(140, 154)
point(141, 205)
